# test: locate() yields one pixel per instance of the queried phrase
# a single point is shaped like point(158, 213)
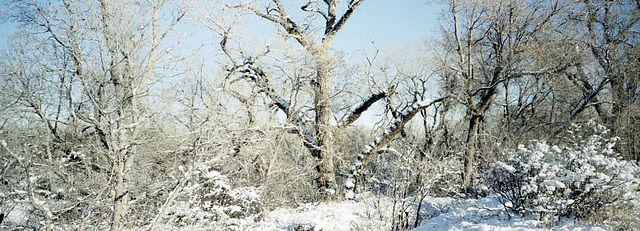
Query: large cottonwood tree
point(318, 136)
point(316, 126)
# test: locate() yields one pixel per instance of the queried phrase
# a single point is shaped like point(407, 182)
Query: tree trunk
point(125, 132)
point(322, 150)
point(326, 174)
point(470, 150)
point(121, 195)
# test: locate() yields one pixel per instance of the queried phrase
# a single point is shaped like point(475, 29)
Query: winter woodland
point(242, 115)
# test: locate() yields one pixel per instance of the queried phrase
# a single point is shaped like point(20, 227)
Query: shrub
point(209, 201)
point(570, 181)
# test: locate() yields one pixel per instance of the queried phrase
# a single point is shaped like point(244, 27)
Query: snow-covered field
point(373, 214)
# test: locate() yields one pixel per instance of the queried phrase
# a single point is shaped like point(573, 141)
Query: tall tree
point(319, 137)
point(488, 44)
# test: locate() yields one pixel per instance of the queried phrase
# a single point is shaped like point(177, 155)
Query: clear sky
point(5, 28)
point(384, 21)
point(388, 22)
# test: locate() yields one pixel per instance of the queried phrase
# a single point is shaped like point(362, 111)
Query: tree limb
point(256, 75)
point(377, 145)
point(364, 107)
point(330, 32)
point(282, 19)
point(314, 10)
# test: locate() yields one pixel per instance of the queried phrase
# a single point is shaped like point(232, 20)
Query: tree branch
point(282, 19)
point(364, 107)
point(377, 145)
point(315, 10)
point(256, 75)
point(331, 31)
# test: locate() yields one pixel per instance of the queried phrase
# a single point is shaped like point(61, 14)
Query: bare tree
point(487, 44)
point(29, 83)
point(318, 138)
point(610, 35)
point(112, 61)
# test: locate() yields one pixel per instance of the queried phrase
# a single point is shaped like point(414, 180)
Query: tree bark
point(469, 158)
point(326, 179)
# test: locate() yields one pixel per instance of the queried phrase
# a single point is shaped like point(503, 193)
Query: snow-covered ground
point(438, 214)
point(484, 214)
point(374, 213)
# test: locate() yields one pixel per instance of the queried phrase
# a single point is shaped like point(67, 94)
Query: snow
point(474, 214)
point(18, 215)
point(438, 214)
point(330, 190)
point(557, 182)
point(350, 183)
point(247, 193)
point(424, 102)
point(34, 178)
point(337, 216)
point(212, 174)
point(506, 167)
point(367, 149)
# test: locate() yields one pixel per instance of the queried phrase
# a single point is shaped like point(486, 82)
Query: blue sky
point(388, 22)
point(5, 28)
point(384, 21)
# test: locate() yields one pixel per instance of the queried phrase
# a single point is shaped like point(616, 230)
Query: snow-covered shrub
point(210, 201)
point(568, 181)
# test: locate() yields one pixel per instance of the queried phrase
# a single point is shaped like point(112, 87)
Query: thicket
point(579, 180)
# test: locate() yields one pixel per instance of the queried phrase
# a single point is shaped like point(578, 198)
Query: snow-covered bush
point(568, 181)
point(210, 201)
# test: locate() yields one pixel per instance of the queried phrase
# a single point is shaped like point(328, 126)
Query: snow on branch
point(377, 145)
point(256, 75)
point(364, 106)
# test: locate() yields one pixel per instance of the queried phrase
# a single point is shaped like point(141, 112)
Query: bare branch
point(256, 75)
point(331, 31)
point(376, 146)
point(315, 10)
point(364, 107)
point(282, 19)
